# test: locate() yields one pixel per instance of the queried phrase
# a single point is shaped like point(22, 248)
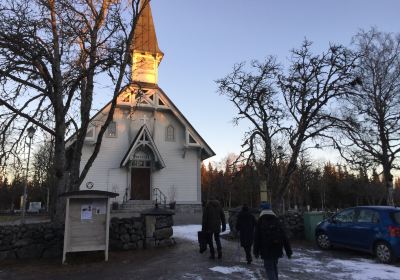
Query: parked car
point(373, 229)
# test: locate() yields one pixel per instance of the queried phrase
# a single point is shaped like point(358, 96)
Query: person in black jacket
point(245, 225)
point(270, 238)
point(213, 218)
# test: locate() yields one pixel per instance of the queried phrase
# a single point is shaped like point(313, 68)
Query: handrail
point(159, 197)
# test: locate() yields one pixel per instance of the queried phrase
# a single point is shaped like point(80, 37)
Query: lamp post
point(281, 154)
point(31, 131)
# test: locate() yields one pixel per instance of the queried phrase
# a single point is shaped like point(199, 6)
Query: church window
point(191, 140)
point(143, 157)
point(90, 134)
point(170, 133)
point(112, 129)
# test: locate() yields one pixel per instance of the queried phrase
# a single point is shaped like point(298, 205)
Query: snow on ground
point(305, 263)
point(247, 273)
point(189, 232)
point(362, 269)
point(354, 269)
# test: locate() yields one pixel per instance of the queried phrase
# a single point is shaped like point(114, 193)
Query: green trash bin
point(311, 219)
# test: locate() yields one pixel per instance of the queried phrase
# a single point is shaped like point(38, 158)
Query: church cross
point(144, 119)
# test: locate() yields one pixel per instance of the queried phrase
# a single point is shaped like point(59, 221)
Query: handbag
point(202, 237)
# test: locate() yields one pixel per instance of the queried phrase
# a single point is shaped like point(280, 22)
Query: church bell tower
point(146, 53)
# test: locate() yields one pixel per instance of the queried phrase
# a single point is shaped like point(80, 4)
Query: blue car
point(373, 229)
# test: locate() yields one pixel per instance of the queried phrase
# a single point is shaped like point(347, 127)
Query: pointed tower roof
point(145, 34)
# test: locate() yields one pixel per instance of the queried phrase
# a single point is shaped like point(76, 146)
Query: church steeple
point(146, 53)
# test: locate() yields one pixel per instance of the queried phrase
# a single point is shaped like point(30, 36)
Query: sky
point(202, 40)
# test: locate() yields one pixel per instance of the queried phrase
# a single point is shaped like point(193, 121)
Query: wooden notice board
point(87, 221)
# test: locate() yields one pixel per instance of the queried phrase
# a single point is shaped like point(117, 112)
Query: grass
point(6, 219)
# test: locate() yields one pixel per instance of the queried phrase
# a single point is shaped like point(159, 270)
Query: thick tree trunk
point(388, 179)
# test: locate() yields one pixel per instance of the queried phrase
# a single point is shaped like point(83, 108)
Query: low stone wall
point(126, 233)
point(292, 221)
point(46, 240)
point(163, 229)
point(294, 224)
point(31, 241)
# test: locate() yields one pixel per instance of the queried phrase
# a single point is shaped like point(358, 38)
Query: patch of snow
point(189, 232)
point(313, 251)
point(234, 269)
point(363, 269)
point(307, 262)
point(192, 276)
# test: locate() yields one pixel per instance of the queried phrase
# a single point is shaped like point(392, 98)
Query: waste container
point(311, 219)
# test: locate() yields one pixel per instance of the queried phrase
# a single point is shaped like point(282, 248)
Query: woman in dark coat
point(245, 225)
point(213, 220)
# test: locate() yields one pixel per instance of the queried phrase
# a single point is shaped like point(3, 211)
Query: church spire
point(146, 52)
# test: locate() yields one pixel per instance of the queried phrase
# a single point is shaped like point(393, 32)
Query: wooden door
point(140, 184)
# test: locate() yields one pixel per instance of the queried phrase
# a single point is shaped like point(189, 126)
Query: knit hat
point(265, 205)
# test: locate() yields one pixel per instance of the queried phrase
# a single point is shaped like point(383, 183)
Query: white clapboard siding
point(182, 169)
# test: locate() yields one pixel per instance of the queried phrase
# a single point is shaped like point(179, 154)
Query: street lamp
point(281, 154)
point(31, 131)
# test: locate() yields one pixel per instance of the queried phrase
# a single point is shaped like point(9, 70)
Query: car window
point(368, 216)
point(346, 216)
point(396, 217)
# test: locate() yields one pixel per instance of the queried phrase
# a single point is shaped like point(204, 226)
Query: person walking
point(245, 224)
point(213, 220)
point(269, 240)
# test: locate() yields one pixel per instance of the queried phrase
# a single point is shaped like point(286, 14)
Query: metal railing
point(159, 197)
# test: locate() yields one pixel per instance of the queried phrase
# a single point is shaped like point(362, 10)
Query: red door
point(140, 184)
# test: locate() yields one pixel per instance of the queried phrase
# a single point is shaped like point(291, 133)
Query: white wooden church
point(150, 145)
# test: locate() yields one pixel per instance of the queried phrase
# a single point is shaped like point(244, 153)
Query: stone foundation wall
point(188, 209)
point(31, 241)
point(46, 240)
point(126, 233)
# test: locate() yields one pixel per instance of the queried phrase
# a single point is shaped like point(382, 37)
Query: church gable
point(155, 99)
point(143, 151)
point(144, 98)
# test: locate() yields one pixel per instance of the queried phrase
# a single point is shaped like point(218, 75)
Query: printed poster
point(86, 212)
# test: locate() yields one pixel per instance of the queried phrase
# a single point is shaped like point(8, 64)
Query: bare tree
point(310, 89)
point(254, 93)
point(371, 117)
point(51, 52)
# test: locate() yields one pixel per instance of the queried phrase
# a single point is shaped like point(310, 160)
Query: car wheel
point(383, 252)
point(323, 241)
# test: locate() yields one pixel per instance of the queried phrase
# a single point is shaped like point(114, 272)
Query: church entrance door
point(140, 184)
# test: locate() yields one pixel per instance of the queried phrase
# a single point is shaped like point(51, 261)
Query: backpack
point(272, 233)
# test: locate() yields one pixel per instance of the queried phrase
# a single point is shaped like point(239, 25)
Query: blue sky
point(202, 40)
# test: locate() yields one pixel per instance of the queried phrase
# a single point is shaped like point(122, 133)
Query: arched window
point(170, 133)
point(143, 157)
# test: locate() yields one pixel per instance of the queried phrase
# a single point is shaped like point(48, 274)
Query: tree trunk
point(388, 179)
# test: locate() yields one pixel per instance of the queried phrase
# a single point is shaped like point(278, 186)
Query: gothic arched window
point(170, 133)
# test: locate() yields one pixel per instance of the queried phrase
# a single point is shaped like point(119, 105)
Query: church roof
point(145, 39)
point(143, 138)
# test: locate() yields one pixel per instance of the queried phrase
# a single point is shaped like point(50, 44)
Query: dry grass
point(7, 219)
